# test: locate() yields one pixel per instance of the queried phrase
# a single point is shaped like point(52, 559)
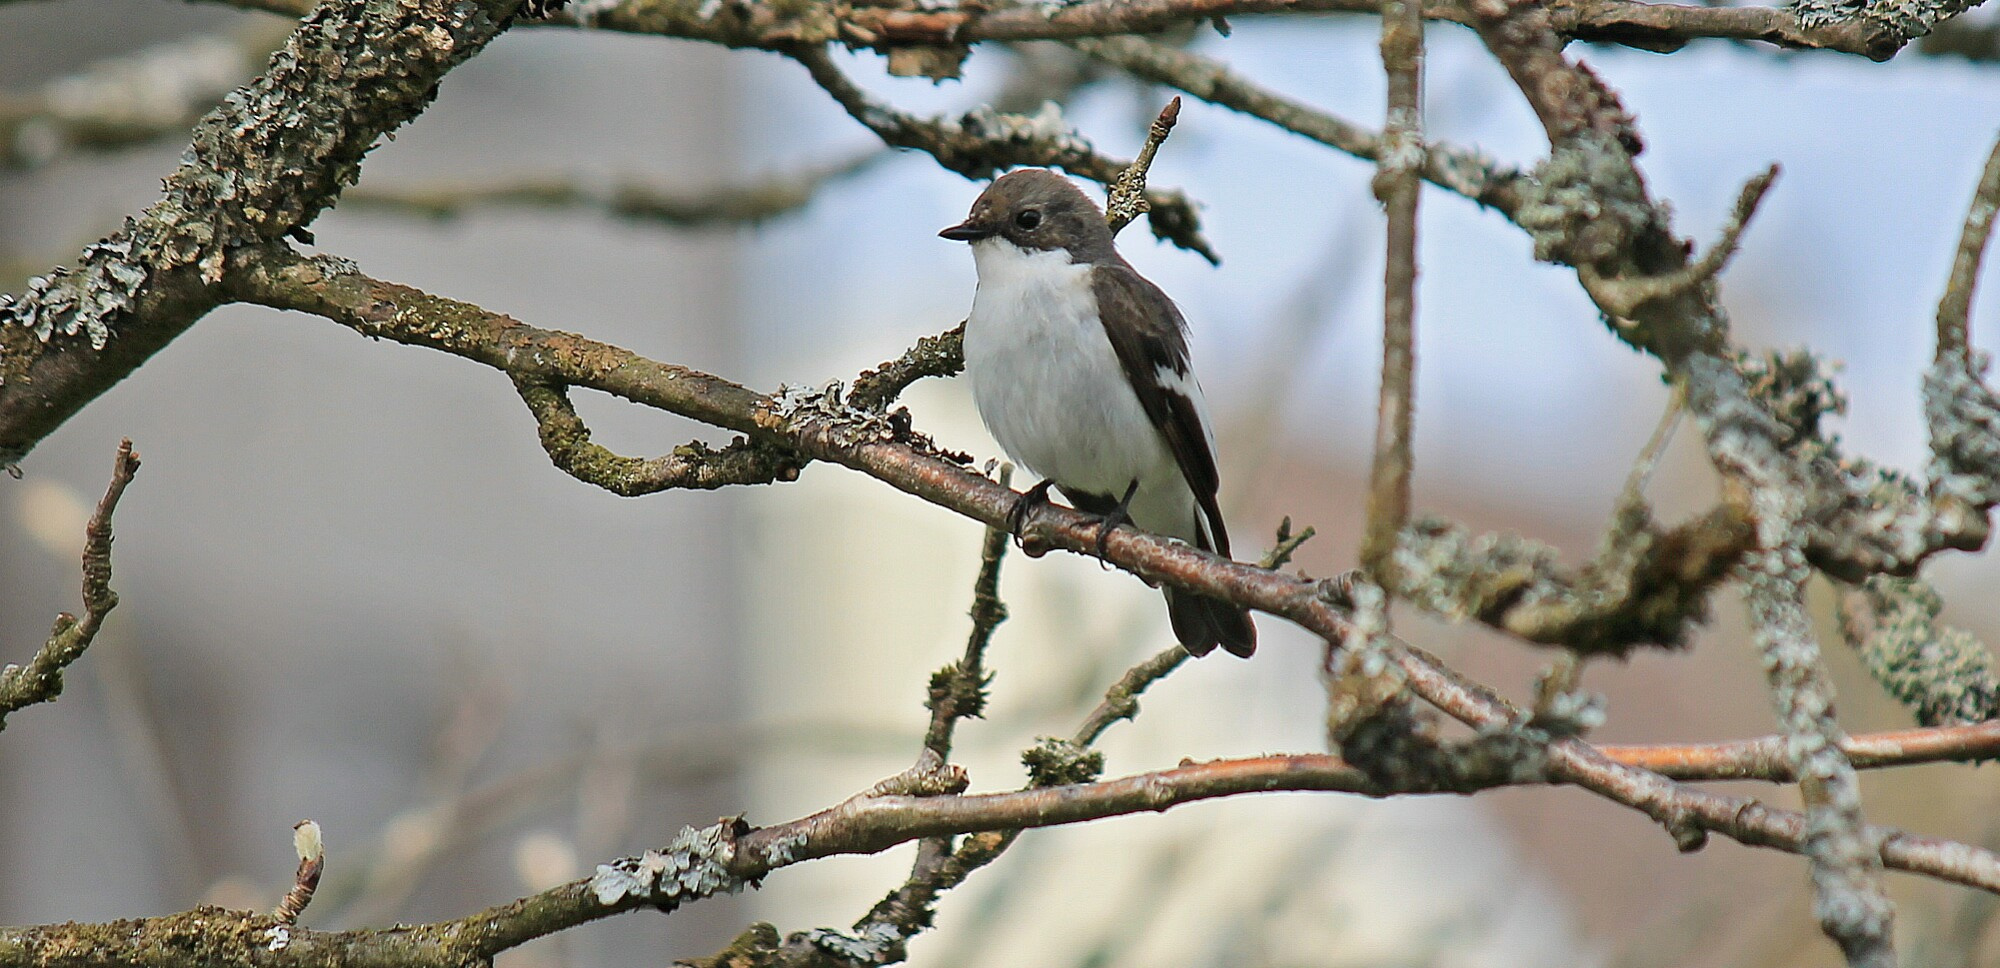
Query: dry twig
point(41, 680)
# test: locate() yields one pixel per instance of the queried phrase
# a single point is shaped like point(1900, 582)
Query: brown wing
point(1149, 335)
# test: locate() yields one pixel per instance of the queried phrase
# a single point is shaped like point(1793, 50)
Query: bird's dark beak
point(967, 231)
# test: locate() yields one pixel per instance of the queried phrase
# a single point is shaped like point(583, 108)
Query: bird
point(1079, 367)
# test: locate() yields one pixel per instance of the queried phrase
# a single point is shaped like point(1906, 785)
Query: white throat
point(1002, 263)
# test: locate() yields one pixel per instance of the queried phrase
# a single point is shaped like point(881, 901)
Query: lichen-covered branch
point(691, 465)
point(1848, 896)
point(1646, 586)
point(1942, 673)
point(959, 690)
point(263, 165)
point(940, 355)
point(1126, 198)
point(41, 680)
point(1595, 215)
point(854, 439)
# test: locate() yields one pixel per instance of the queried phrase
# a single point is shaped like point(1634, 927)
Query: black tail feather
point(1203, 623)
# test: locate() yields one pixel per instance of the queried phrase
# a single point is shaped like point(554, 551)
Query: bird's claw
point(1115, 517)
point(1026, 504)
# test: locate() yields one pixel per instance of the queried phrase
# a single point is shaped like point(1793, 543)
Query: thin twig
point(312, 863)
point(1954, 315)
point(959, 690)
point(1127, 193)
point(41, 680)
point(983, 143)
point(1459, 170)
point(1396, 185)
point(1641, 475)
point(940, 355)
point(1658, 27)
point(1620, 297)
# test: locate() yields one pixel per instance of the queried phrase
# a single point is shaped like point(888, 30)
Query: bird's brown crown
point(1035, 208)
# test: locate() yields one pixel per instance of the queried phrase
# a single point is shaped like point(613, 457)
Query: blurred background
point(355, 590)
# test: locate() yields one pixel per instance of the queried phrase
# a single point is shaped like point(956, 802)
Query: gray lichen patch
point(1942, 673)
point(1798, 389)
point(1905, 19)
point(1585, 204)
point(1059, 762)
point(875, 944)
point(1964, 419)
point(1646, 586)
point(694, 866)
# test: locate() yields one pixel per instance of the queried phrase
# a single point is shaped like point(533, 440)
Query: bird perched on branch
point(1080, 370)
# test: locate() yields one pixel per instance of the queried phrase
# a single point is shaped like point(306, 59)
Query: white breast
point(1052, 391)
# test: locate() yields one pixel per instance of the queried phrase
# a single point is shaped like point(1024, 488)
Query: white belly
point(1053, 393)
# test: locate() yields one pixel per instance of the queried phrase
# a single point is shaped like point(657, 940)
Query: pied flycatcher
point(1080, 370)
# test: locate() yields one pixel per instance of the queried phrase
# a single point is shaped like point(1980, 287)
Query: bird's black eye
point(1028, 219)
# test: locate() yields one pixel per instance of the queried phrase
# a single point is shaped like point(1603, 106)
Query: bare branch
point(1396, 187)
point(1876, 30)
point(1765, 758)
point(1689, 815)
point(1454, 169)
point(41, 680)
point(1121, 701)
point(1954, 315)
point(982, 143)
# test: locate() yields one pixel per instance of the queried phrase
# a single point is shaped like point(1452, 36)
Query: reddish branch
point(1765, 759)
point(879, 819)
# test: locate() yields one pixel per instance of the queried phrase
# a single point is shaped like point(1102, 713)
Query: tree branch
point(261, 166)
point(691, 465)
point(1943, 674)
point(1455, 169)
point(982, 143)
point(1876, 30)
point(730, 855)
point(41, 680)
point(1396, 187)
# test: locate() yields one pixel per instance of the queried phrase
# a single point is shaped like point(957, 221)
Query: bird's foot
point(1028, 503)
point(1113, 518)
